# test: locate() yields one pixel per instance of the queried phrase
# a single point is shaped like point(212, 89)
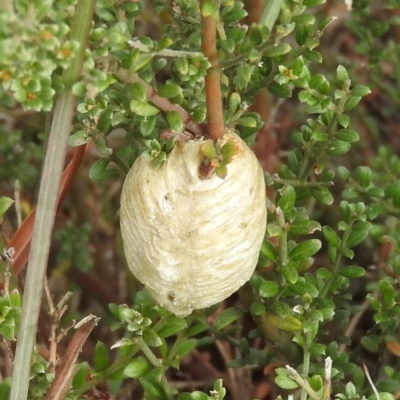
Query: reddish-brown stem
point(215, 117)
point(163, 104)
point(67, 369)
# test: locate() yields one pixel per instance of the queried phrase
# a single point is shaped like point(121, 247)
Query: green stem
point(215, 116)
point(271, 13)
point(336, 264)
point(156, 362)
point(306, 361)
point(297, 183)
point(308, 163)
point(46, 208)
point(283, 249)
point(302, 383)
point(281, 341)
point(118, 364)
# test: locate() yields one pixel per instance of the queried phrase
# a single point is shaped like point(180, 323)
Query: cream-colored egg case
point(193, 242)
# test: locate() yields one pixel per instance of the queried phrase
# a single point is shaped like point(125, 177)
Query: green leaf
point(351, 102)
point(147, 125)
point(227, 317)
point(138, 92)
point(360, 91)
point(307, 97)
point(312, 56)
point(305, 249)
point(289, 271)
point(331, 237)
point(5, 204)
point(81, 375)
point(352, 271)
point(78, 138)
point(375, 192)
point(257, 308)
point(319, 82)
point(98, 168)
point(339, 147)
point(302, 226)
point(347, 135)
point(343, 120)
point(248, 122)
point(341, 73)
point(359, 232)
point(152, 387)
point(306, 19)
point(344, 173)
point(208, 149)
point(285, 382)
point(322, 194)
point(301, 287)
point(169, 90)
point(282, 91)
point(277, 50)
point(268, 250)
point(100, 357)
point(186, 347)
point(393, 192)
point(287, 199)
point(193, 396)
point(229, 149)
point(235, 14)
point(209, 8)
point(175, 121)
point(303, 32)
point(172, 326)
point(371, 343)
point(313, 3)
point(388, 292)
point(363, 176)
point(268, 289)
point(143, 109)
point(136, 368)
point(151, 338)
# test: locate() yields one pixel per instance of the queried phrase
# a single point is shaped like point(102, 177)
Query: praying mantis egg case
point(193, 242)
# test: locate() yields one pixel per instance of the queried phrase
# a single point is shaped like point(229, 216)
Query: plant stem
point(271, 13)
point(156, 363)
point(338, 258)
point(281, 341)
point(215, 117)
point(283, 250)
point(163, 104)
point(302, 383)
point(46, 209)
point(326, 393)
point(296, 183)
point(306, 362)
point(118, 364)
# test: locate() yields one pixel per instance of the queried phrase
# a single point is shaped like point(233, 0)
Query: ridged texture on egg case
point(193, 242)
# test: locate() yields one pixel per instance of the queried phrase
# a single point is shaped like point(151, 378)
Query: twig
point(353, 324)
point(302, 383)
point(47, 204)
point(215, 117)
point(297, 183)
point(165, 52)
point(326, 393)
point(370, 382)
point(163, 104)
point(156, 363)
point(56, 313)
point(17, 197)
point(66, 372)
